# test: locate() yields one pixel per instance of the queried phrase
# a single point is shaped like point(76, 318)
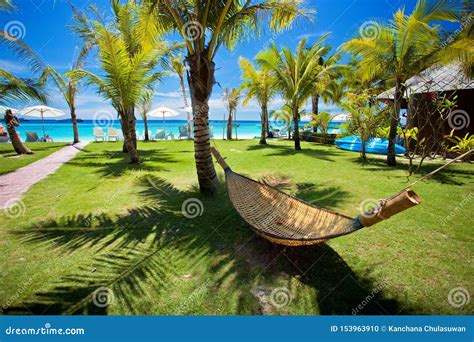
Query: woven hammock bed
point(287, 220)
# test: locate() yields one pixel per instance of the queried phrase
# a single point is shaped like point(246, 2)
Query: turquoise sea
point(61, 130)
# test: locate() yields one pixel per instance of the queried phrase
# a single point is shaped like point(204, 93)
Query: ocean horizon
point(61, 130)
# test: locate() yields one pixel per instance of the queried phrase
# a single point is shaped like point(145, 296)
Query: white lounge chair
point(99, 134)
point(160, 135)
point(113, 134)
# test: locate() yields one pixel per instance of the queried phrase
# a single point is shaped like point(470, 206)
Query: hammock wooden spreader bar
point(290, 221)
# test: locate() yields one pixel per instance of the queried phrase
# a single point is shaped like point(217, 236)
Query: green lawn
point(99, 222)
point(10, 161)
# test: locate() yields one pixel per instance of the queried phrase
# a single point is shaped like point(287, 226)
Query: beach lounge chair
point(183, 132)
point(47, 138)
point(113, 133)
point(99, 134)
point(32, 137)
point(275, 133)
point(283, 132)
point(160, 135)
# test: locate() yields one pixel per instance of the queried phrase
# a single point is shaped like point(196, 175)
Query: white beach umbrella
point(163, 112)
point(42, 112)
point(3, 109)
point(342, 118)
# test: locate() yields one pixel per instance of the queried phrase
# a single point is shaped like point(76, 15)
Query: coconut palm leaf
point(14, 89)
point(6, 6)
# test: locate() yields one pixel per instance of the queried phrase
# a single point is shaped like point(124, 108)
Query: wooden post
point(389, 207)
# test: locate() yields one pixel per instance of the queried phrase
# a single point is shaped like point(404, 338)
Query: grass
point(108, 224)
point(10, 161)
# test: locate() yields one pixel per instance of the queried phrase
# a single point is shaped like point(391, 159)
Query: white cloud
point(170, 94)
point(13, 66)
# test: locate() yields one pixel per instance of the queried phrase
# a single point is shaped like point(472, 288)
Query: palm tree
point(14, 89)
point(295, 75)
point(326, 80)
point(323, 121)
point(258, 85)
point(68, 87)
point(6, 6)
point(144, 106)
point(178, 67)
point(365, 119)
point(402, 48)
point(231, 99)
point(128, 55)
point(206, 26)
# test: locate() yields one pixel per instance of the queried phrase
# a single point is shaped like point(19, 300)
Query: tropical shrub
point(461, 145)
point(322, 122)
point(366, 117)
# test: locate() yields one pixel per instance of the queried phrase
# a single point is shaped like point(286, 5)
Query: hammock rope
point(284, 219)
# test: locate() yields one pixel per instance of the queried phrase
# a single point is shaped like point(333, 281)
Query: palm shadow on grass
point(286, 150)
point(445, 176)
point(117, 162)
point(11, 153)
point(142, 254)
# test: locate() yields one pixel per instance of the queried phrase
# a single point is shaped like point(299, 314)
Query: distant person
point(3, 131)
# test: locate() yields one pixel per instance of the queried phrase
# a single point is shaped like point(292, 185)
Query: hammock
point(287, 220)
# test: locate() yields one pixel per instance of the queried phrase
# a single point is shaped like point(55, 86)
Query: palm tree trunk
point(315, 104)
point(201, 81)
point(362, 153)
point(125, 134)
point(183, 91)
point(133, 127)
point(11, 122)
point(74, 125)
point(129, 144)
point(391, 160)
point(267, 121)
point(263, 137)
point(315, 108)
point(235, 122)
point(296, 133)
point(229, 126)
point(145, 123)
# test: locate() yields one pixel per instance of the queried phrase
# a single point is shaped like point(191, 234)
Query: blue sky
point(44, 27)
